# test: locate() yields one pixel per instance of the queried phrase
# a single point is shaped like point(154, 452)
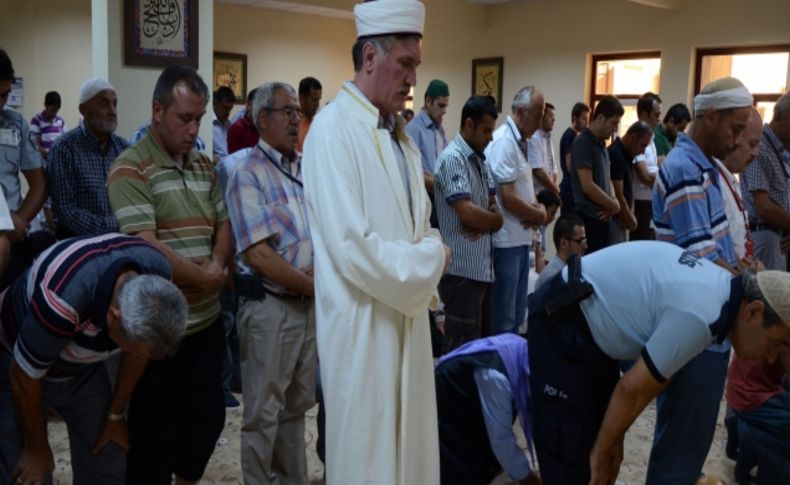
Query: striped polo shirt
point(462, 174)
point(48, 129)
point(53, 317)
point(150, 192)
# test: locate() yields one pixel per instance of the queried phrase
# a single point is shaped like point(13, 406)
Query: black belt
point(253, 287)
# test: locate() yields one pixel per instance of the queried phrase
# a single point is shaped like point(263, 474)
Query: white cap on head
point(92, 87)
point(775, 286)
point(383, 17)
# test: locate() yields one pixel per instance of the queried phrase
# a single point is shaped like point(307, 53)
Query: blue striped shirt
point(463, 174)
point(688, 206)
point(54, 316)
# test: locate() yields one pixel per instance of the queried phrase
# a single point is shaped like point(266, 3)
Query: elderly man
point(276, 318)
point(427, 131)
point(591, 173)
point(377, 261)
point(570, 240)
point(166, 192)
point(80, 162)
point(310, 92)
point(678, 303)
point(688, 210)
point(515, 196)
point(468, 216)
point(81, 301)
point(18, 152)
point(765, 192)
point(621, 156)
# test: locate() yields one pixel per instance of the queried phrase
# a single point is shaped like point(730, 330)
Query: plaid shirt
point(769, 173)
point(78, 171)
point(688, 205)
point(265, 204)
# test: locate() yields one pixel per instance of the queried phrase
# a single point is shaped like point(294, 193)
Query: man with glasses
point(569, 239)
point(276, 317)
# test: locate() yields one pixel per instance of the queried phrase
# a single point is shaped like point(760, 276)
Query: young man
point(310, 92)
point(570, 240)
point(621, 155)
point(468, 216)
point(427, 131)
point(590, 173)
point(648, 109)
point(48, 126)
point(580, 119)
point(666, 134)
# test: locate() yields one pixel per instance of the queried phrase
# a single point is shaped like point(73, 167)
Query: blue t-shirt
point(658, 300)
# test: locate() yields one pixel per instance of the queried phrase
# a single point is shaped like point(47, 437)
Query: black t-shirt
point(566, 192)
point(589, 152)
point(622, 168)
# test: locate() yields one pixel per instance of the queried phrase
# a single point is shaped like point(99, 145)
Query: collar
point(368, 112)
point(93, 138)
point(43, 115)
point(619, 145)
point(216, 121)
point(161, 157)
point(276, 155)
point(466, 150)
point(514, 128)
point(425, 119)
point(721, 327)
point(103, 294)
point(660, 129)
point(592, 136)
point(704, 162)
point(772, 138)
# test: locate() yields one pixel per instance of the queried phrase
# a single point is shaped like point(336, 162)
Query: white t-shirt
point(540, 154)
point(657, 300)
point(506, 160)
point(650, 158)
point(736, 218)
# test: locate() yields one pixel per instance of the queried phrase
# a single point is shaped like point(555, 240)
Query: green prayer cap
point(437, 89)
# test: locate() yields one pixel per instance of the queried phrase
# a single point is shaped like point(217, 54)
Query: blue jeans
point(509, 293)
point(764, 434)
point(687, 411)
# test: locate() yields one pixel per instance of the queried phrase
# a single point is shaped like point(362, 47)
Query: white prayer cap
point(92, 87)
point(775, 286)
point(383, 17)
point(723, 93)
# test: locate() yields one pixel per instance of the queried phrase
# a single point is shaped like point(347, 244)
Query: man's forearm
point(222, 252)
point(545, 180)
point(36, 195)
point(185, 273)
point(129, 373)
point(266, 262)
point(26, 392)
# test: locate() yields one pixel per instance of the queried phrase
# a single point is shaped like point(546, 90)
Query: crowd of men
point(340, 235)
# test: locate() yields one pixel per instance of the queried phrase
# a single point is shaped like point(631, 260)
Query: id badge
point(10, 137)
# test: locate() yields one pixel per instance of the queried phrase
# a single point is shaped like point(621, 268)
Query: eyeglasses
point(579, 241)
point(287, 111)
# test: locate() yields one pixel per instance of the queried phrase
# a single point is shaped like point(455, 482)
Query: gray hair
point(264, 98)
point(752, 292)
point(782, 106)
point(153, 312)
point(523, 98)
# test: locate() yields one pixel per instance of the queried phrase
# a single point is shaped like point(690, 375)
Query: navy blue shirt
point(622, 168)
point(53, 317)
point(566, 192)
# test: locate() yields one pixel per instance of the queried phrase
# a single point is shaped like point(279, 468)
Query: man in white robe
point(377, 262)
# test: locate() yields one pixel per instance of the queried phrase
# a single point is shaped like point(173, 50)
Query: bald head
point(749, 140)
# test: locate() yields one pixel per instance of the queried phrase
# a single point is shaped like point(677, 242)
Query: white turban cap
point(383, 17)
point(729, 98)
point(92, 87)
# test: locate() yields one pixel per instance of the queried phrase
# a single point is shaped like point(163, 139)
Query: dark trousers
point(597, 232)
point(572, 381)
point(467, 309)
point(643, 210)
point(177, 411)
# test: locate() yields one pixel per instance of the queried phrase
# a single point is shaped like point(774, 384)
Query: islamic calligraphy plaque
point(161, 32)
point(487, 79)
point(231, 70)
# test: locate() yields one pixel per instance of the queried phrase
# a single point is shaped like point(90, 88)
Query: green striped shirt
point(149, 192)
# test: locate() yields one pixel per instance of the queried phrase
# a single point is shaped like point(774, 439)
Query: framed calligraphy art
point(159, 33)
point(231, 70)
point(487, 79)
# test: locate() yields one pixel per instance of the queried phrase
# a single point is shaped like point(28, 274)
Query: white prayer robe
point(376, 272)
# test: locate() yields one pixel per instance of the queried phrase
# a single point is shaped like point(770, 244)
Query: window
point(627, 76)
point(763, 69)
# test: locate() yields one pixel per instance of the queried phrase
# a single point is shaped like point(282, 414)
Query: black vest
point(466, 454)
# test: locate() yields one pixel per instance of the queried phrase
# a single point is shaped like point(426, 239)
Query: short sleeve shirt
point(506, 158)
point(182, 205)
point(768, 173)
point(674, 305)
point(650, 159)
point(18, 151)
point(462, 174)
point(589, 152)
